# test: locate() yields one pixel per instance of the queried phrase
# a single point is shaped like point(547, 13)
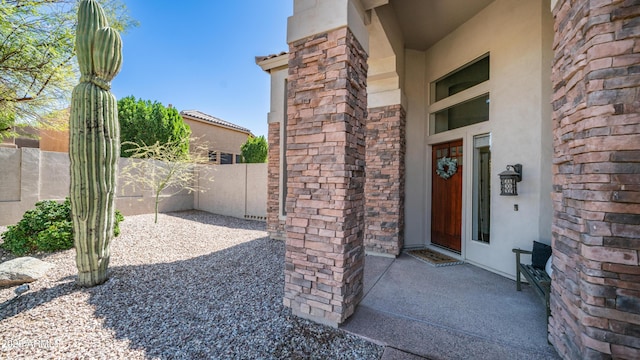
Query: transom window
point(453, 109)
point(462, 79)
point(463, 114)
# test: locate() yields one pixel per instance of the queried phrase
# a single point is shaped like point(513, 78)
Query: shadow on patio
point(452, 312)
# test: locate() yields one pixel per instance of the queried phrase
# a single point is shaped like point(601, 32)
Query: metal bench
point(538, 278)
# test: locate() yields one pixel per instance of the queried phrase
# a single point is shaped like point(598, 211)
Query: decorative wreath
point(451, 166)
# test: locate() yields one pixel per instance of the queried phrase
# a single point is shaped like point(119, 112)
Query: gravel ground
point(193, 286)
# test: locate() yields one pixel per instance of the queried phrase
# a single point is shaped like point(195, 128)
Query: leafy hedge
point(46, 228)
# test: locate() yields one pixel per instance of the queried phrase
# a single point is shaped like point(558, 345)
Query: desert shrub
point(46, 228)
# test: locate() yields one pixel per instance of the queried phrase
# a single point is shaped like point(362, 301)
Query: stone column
point(595, 295)
point(327, 98)
point(385, 177)
point(278, 68)
point(275, 226)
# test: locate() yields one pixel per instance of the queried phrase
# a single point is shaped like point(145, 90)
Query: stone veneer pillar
point(595, 299)
point(275, 226)
point(324, 259)
point(385, 177)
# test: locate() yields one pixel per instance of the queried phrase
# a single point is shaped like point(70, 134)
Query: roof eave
point(193, 118)
point(270, 63)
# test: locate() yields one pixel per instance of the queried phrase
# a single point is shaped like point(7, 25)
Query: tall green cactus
point(94, 143)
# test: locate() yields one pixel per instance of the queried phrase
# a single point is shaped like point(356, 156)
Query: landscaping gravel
point(193, 286)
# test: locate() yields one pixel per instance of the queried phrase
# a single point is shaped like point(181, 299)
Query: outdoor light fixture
point(509, 179)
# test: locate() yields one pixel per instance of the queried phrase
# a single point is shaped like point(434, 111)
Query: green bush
point(255, 150)
point(46, 228)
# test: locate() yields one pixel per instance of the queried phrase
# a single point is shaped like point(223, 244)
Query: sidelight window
point(482, 188)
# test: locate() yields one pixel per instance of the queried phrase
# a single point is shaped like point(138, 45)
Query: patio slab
point(452, 312)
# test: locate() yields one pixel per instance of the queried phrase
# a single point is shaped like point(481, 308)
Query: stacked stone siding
point(595, 300)
point(275, 226)
point(385, 177)
point(324, 258)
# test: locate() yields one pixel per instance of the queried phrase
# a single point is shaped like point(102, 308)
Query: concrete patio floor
point(421, 311)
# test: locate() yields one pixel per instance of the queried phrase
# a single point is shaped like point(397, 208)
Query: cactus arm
point(108, 46)
point(91, 17)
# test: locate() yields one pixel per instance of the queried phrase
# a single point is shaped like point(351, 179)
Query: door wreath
point(446, 167)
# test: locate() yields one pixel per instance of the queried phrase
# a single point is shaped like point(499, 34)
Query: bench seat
point(537, 278)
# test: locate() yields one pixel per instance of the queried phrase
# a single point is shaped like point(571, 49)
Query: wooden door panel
point(446, 195)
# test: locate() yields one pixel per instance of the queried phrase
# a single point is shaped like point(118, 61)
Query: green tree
point(144, 123)
point(255, 150)
point(37, 57)
point(7, 119)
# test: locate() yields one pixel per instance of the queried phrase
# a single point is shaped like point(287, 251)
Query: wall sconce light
point(509, 179)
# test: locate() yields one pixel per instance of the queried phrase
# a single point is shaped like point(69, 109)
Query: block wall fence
point(29, 175)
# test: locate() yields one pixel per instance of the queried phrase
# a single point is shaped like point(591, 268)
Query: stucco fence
point(28, 175)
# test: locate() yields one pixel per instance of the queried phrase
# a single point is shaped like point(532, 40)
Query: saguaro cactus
point(94, 143)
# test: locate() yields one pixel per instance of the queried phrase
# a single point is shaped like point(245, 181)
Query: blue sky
point(200, 55)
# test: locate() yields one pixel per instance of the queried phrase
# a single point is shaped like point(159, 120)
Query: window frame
point(479, 142)
point(213, 156)
point(472, 93)
point(226, 158)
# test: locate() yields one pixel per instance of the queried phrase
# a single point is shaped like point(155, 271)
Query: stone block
point(623, 269)
point(625, 328)
point(625, 352)
point(600, 346)
point(628, 304)
point(22, 270)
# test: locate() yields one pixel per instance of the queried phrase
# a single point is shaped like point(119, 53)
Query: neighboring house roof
point(271, 56)
point(273, 61)
point(198, 115)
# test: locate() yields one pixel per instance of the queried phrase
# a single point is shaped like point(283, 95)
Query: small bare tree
point(163, 169)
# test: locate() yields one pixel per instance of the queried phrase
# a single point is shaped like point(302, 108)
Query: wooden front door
point(446, 195)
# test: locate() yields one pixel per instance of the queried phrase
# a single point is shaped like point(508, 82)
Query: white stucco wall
point(19, 182)
point(416, 185)
point(9, 183)
point(517, 34)
point(277, 110)
point(210, 137)
point(256, 185)
point(55, 167)
point(546, 171)
point(385, 78)
point(238, 190)
point(278, 68)
point(311, 17)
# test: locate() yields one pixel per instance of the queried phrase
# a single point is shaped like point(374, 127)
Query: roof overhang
point(206, 122)
point(423, 23)
point(273, 62)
